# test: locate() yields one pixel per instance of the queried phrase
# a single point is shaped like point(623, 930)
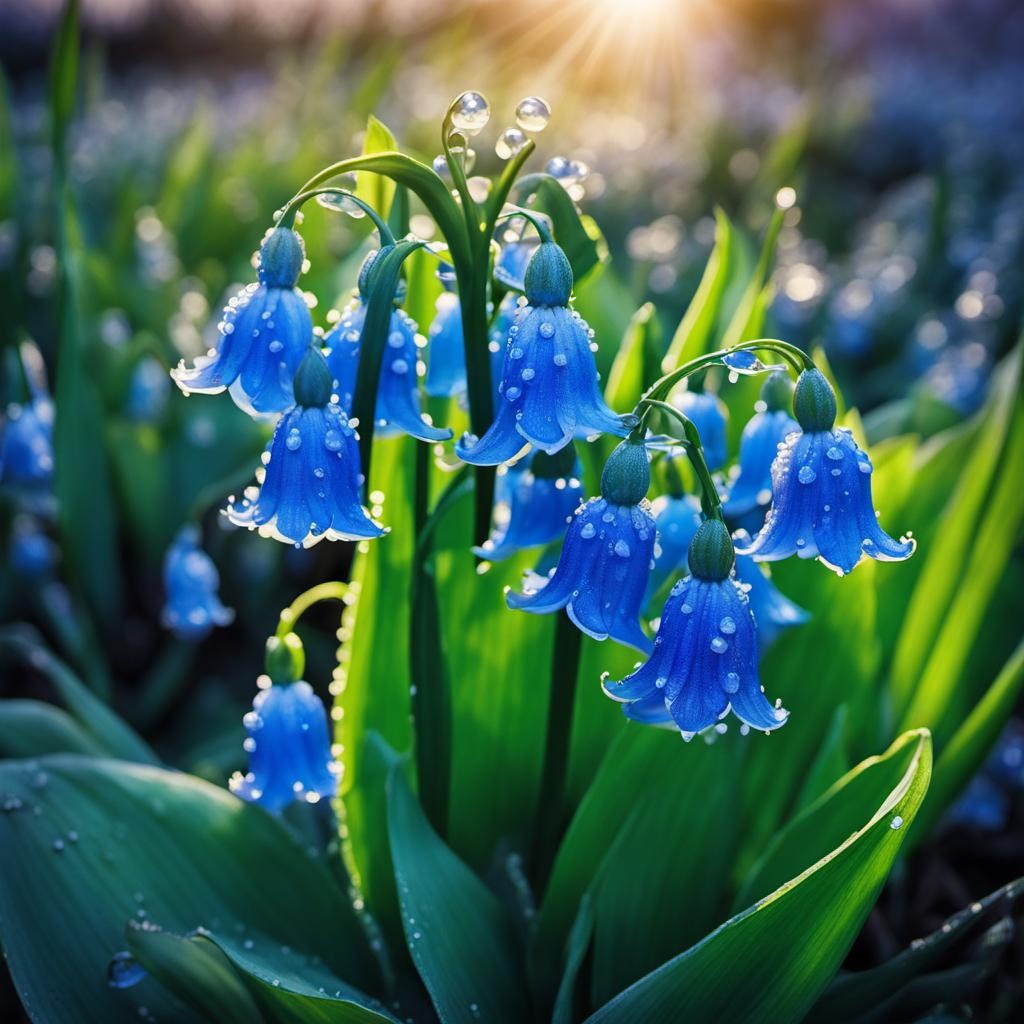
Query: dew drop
point(806, 475)
point(718, 645)
point(333, 441)
point(470, 113)
point(588, 531)
point(834, 453)
point(561, 359)
point(621, 548)
point(727, 626)
point(731, 683)
point(294, 440)
point(509, 143)
point(532, 114)
point(547, 330)
point(124, 970)
point(896, 823)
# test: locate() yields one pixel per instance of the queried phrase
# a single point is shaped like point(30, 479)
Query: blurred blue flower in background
point(821, 492)
point(704, 661)
point(602, 572)
point(676, 518)
point(986, 803)
point(398, 397)
point(773, 611)
point(534, 499)
point(26, 443)
point(709, 415)
point(310, 482)
point(446, 356)
point(33, 553)
point(264, 335)
point(148, 391)
point(192, 606)
point(549, 388)
point(289, 749)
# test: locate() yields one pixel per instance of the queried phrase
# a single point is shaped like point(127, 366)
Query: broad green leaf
point(8, 159)
point(748, 319)
point(694, 333)
point(64, 80)
point(228, 981)
point(946, 558)
point(771, 961)
point(856, 992)
point(939, 702)
point(972, 743)
point(110, 733)
point(29, 728)
point(635, 366)
point(461, 939)
point(376, 189)
point(114, 842)
point(680, 827)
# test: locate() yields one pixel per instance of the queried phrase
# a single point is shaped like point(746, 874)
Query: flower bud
point(285, 659)
point(313, 380)
point(548, 277)
point(777, 392)
point(626, 476)
point(711, 556)
point(281, 256)
point(814, 402)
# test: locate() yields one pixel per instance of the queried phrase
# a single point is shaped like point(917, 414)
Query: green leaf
point(64, 82)
point(376, 189)
point(227, 981)
point(579, 943)
point(748, 319)
point(105, 729)
point(857, 992)
point(461, 939)
point(947, 555)
point(771, 961)
point(829, 763)
point(635, 366)
point(29, 728)
point(972, 743)
point(114, 842)
point(694, 334)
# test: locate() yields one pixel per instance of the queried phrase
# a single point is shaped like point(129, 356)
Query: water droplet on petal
point(806, 475)
point(718, 645)
point(731, 683)
point(294, 440)
point(588, 531)
point(621, 548)
point(547, 330)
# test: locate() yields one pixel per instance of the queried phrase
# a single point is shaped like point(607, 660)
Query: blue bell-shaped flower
point(148, 391)
point(289, 743)
point(773, 611)
point(821, 492)
point(309, 484)
point(26, 444)
point(764, 433)
point(192, 606)
point(704, 662)
point(549, 387)
point(446, 354)
point(398, 397)
point(513, 259)
point(677, 518)
point(602, 572)
point(264, 334)
point(534, 500)
point(33, 554)
point(709, 415)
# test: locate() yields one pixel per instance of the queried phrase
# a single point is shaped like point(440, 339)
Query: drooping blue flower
point(289, 748)
point(264, 334)
point(26, 444)
point(676, 518)
point(446, 354)
point(602, 571)
point(709, 415)
point(549, 387)
point(398, 397)
point(192, 606)
point(765, 431)
point(148, 391)
point(704, 661)
point(773, 611)
point(309, 484)
point(534, 500)
point(513, 259)
point(33, 552)
point(821, 492)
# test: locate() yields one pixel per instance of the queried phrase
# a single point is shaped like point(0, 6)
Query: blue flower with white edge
point(148, 391)
point(310, 481)
point(677, 518)
point(821, 492)
point(398, 397)
point(709, 415)
point(33, 553)
point(766, 430)
point(549, 387)
point(602, 571)
point(704, 661)
point(773, 611)
point(264, 334)
point(289, 741)
point(534, 500)
point(192, 606)
point(446, 354)
point(26, 444)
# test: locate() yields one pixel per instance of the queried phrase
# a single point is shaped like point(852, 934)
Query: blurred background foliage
point(899, 128)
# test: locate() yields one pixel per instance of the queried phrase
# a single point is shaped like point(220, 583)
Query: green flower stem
point(565, 663)
point(542, 228)
point(499, 194)
point(710, 503)
point(332, 591)
point(287, 218)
